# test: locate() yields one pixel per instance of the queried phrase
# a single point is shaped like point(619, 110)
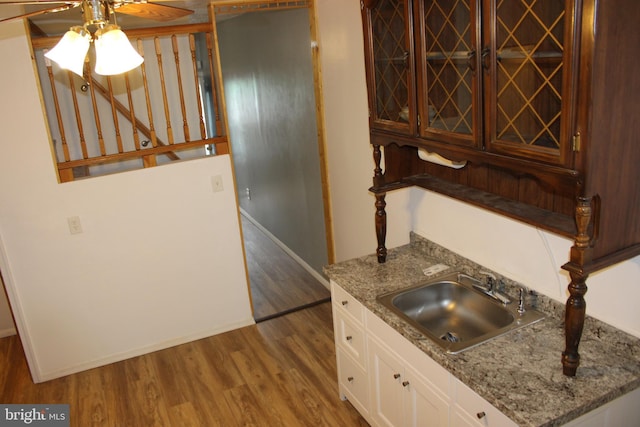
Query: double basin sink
point(458, 312)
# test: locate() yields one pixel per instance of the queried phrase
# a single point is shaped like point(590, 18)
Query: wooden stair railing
point(118, 106)
point(81, 148)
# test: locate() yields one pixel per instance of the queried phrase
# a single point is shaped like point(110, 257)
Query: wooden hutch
point(540, 98)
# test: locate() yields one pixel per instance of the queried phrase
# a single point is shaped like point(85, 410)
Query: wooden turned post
point(381, 227)
point(573, 323)
point(381, 214)
point(576, 305)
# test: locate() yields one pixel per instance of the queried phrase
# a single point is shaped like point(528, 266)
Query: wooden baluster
point(192, 46)
point(132, 113)
point(96, 115)
point(63, 138)
point(167, 115)
point(381, 227)
point(381, 214)
point(83, 144)
point(378, 177)
point(125, 112)
point(150, 160)
point(576, 306)
point(114, 113)
point(176, 56)
point(214, 94)
point(154, 138)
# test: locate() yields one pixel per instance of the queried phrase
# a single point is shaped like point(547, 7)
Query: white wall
point(514, 249)
point(159, 262)
point(346, 128)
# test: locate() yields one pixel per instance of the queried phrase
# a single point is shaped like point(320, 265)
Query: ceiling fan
point(114, 52)
point(139, 8)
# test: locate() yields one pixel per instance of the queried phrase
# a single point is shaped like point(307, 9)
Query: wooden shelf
point(550, 221)
point(389, 187)
point(501, 55)
point(462, 54)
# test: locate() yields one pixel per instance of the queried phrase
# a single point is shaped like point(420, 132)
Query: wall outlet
point(248, 193)
point(75, 226)
point(216, 183)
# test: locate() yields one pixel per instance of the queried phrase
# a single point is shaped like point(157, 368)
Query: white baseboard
point(46, 376)
point(289, 252)
point(7, 332)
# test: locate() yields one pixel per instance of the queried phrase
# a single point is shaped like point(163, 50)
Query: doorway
point(269, 74)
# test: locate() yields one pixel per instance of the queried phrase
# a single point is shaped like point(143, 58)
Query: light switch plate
point(75, 226)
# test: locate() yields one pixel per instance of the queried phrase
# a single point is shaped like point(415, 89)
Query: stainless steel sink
point(454, 314)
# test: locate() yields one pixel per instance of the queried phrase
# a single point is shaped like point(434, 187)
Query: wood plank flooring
point(281, 372)
point(278, 283)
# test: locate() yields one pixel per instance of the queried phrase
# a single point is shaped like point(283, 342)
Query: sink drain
point(450, 337)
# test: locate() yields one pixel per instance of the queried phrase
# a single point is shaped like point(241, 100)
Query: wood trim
point(233, 7)
point(48, 42)
point(551, 221)
point(562, 177)
point(610, 259)
point(322, 143)
point(220, 142)
point(224, 129)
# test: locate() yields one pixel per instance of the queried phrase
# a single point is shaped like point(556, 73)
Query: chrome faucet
point(521, 309)
point(489, 288)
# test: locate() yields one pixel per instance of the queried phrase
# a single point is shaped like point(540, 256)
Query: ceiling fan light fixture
point(71, 50)
point(114, 52)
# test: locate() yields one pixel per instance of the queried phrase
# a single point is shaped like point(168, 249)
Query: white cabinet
point(393, 383)
point(623, 411)
point(470, 410)
point(349, 335)
point(385, 377)
point(390, 381)
point(400, 396)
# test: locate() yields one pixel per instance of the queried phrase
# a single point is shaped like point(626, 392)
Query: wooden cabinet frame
point(589, 190)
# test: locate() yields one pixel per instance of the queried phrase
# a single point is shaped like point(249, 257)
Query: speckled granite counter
point(520, 373)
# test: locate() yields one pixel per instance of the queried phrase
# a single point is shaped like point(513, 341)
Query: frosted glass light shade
point(71, 50)
point(114, 52)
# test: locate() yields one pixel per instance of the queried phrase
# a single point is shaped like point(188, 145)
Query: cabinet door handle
point(484, 55)
point(481, 415)
point(350, 379)
point(471, 60)
point(405, 383)
point(396, 376)
point(348, 337)
point(345, 302)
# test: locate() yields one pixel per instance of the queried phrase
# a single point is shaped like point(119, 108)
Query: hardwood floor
point(278, 283)
point(281, 372)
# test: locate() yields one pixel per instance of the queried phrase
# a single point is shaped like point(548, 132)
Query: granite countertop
point(520, 373)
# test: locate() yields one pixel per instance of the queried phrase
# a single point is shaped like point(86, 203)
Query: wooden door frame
point(320, 119)
point(243, 5)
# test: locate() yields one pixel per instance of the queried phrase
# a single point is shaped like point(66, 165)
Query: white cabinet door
point(386, 373)
point(462, 419)
point(424, 406)
point(400, 396)
point(353, 382)
point(471, 410)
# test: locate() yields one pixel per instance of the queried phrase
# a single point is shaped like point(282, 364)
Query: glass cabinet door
point(448, 95)
point(390, 65)
point(524, 81)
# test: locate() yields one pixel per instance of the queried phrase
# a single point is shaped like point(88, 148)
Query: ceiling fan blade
point(41, 11)
point(155, 11)
point(23, 2)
